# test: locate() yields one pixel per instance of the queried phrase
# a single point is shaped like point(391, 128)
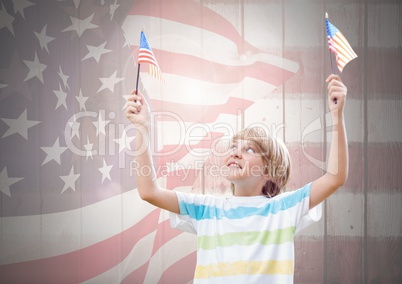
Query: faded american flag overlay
point(66, 149)
point(70, 211)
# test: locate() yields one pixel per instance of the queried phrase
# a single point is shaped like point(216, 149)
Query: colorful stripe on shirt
point(274, 267)
point(201, 211)
point(274, 237)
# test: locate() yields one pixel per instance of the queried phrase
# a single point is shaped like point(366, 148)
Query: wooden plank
point(344, 232)
point(382, 255)
point(384, 260)
point(309, 264)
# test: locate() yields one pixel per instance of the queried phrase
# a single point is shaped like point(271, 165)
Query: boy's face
point(244, 162)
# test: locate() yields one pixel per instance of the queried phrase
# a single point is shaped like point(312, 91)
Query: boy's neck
point(250, 190)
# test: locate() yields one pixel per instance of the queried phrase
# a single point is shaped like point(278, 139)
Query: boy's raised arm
point(138, 113)
point(338, 164)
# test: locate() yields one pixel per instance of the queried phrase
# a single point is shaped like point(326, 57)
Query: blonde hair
point(275, 156)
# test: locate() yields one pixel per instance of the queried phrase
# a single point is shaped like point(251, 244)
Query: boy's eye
point(250, 150)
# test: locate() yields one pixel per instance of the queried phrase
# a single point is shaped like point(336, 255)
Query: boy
point(247, 238)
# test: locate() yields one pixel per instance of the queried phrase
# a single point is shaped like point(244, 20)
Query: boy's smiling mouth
point(234, 164)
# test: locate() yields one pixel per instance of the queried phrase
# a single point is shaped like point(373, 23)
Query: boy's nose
point(236, 153)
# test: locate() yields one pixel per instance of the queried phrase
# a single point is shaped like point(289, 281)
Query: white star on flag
point(80, 26)
point(20, 5)
point(64, 78)
point(76, 3)
point(19, 126)
point(100, 125)
point(6, 20)
point(96, 52)
point(35, 69)
point(44, 39)
point(105, 170)
point(113, 8)
point(81, 100)
point(6, 182)
point(88, 148)
point(124, 141)
point(69, 180)
point(61, 97)
point(54, 152)
point(75, 128)
point(110, 82)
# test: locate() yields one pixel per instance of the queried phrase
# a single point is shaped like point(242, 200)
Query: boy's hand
point(336, 95)
point(137, 110)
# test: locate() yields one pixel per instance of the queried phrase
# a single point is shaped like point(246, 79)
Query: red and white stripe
point(339, 45)
point(146, 56)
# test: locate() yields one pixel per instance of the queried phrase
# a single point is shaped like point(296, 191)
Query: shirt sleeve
point(301, 214)
point(191, 211)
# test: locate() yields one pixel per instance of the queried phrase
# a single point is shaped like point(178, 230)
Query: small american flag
point(339, 45)
point(147, 56)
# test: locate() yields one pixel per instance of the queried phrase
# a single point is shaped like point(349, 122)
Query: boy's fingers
point(336, 88)
point(134, 98)
point(334, 83)
point(332, 77)
point(133, 110)
point(132, 104)
point(135, 92)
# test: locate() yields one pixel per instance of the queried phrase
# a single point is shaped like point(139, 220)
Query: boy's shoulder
point(302, 190)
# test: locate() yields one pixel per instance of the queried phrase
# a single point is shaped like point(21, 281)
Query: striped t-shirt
point(245, 239)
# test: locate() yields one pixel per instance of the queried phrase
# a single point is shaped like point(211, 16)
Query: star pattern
point(44, 39)
point(55, 129)
point(53, 153)
point(64, 78)
point(6, 20)
point(19, 125)
point(61, 97)
point(81, 100)
point(124, 141)
point(101, 125)
point(88, 148)
point(75, 128)
point(21, 5)
point(6, 182)
point(109, 83)
point(69, 180)
point(77, 3)
point(80, 26)
point(105, 171)
point(35, 69)
point(96, 52)
point(113, 8)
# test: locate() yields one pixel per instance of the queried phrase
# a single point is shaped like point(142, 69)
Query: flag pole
point(330, 60)
point(138, 77)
